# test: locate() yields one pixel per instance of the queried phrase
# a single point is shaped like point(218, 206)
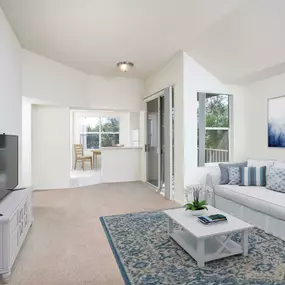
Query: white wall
point(71, 136)
point(134, 125)
point(54, 83)
point(125, 128)
point(197, 79)
point(49, 81)
point(51, 147)
point(172, 74)
point(115, 93)
point(10, 83)
point(26, 142)
point(256, 118)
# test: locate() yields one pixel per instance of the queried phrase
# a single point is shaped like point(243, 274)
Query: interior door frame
point(167, 94)
point(168, 142)
point(159, 145)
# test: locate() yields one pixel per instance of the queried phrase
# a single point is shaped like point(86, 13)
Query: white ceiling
point(246, 45)
point(237, 40)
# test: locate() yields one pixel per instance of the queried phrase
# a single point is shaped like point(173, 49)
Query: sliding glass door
point(159, 143)
point(153, 141)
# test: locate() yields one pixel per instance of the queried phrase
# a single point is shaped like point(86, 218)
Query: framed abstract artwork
point(276, 121)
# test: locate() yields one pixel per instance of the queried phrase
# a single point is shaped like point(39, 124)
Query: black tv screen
point(8, 163)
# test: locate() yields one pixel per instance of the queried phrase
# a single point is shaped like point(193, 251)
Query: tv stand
point(16, 219)
point(16, 189)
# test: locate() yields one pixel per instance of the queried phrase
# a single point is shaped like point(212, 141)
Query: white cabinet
point(16, 219)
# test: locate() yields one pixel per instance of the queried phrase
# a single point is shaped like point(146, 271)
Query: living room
point(48, 73)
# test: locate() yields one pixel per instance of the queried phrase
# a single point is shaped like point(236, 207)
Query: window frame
point(201, 99)
point(100, 132)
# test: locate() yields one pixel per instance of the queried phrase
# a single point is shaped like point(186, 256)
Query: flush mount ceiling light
point(124, 66)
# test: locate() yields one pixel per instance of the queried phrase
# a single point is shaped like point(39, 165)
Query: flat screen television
point(8, 164)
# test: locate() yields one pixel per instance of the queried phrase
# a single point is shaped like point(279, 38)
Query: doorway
point(159, 142)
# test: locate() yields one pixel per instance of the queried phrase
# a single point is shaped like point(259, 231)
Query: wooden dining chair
point(79, 156)
point(95, 152)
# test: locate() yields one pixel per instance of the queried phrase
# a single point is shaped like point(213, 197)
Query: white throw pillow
point(279, 164)
point(259, 163)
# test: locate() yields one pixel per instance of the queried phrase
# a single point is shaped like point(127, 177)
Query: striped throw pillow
point(253, 176)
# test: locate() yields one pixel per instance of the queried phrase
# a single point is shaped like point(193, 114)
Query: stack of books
point(212, 219)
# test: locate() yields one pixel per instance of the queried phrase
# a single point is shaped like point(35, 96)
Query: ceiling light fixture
point(124, 66)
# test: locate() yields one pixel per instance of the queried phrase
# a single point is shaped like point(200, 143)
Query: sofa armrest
point(212, 180)
point(209, 181)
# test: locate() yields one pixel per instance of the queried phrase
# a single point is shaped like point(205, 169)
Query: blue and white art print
point(276, 122)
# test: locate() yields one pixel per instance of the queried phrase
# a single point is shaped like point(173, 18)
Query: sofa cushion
point(255, 197)
point(224, 168)
point(253, 176)
point(276, 179)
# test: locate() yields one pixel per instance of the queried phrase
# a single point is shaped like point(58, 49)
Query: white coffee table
point(208, 242)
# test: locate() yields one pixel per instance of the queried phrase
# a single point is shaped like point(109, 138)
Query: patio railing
point(216, 155)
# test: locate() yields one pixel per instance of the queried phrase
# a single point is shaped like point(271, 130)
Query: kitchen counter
point(121, 147)
point(121, 164)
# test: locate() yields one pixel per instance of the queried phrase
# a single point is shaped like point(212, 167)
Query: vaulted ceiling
point(246, 45)
point(238, 41)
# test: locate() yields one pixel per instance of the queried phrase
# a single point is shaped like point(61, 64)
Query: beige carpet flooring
point(66, 244)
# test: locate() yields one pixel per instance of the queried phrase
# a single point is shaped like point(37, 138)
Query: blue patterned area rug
point(145, 255)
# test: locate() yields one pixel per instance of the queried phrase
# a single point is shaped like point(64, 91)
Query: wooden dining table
point(95, 153)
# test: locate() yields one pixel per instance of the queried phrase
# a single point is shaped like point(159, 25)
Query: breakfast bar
point(121, 164)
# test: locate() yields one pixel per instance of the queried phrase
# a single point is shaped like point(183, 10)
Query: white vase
point(198, 212)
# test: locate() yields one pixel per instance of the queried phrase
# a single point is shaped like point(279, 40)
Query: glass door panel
point(162, 147)
point(153, 141)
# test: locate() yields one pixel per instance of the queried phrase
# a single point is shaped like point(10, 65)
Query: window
point(100, 132)
point(213, 112)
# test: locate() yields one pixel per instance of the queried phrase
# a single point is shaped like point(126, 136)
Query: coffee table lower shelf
point(210, 248)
